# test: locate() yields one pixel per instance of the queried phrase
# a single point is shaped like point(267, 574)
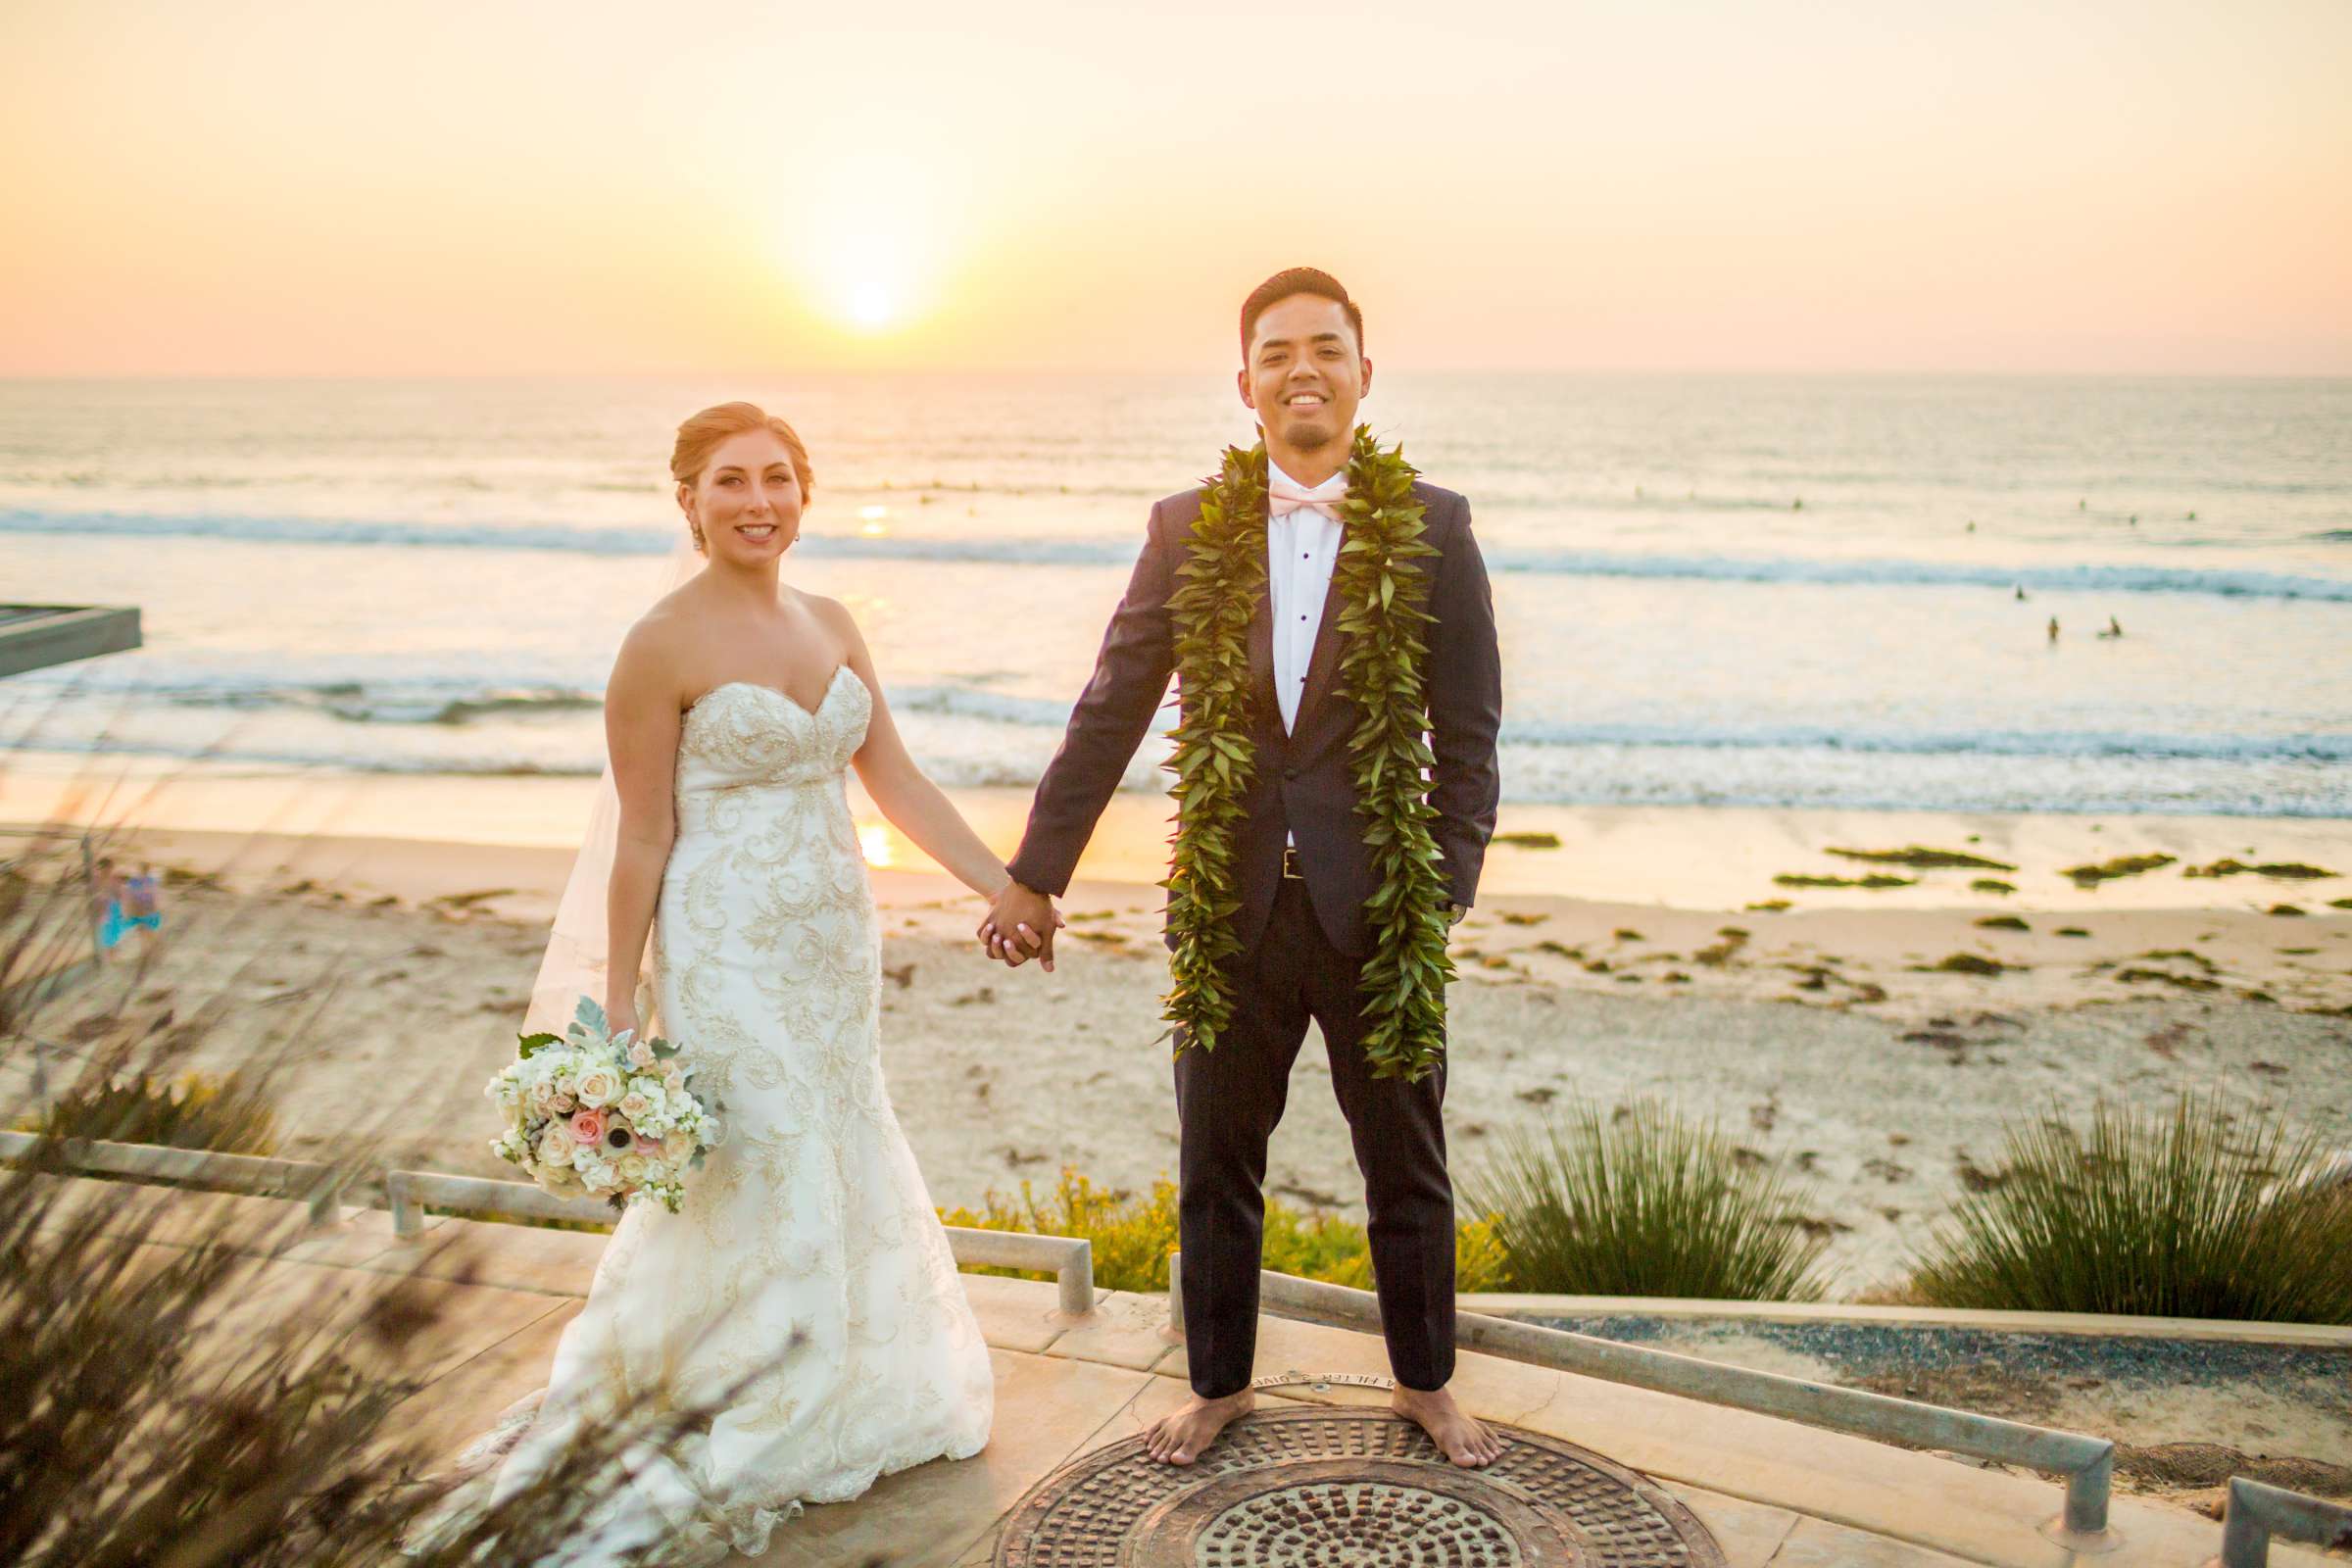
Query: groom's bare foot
point(1184, 1432)
point(1462, 1438)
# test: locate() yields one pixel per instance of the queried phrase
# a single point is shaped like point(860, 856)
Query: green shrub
point(193, 1111)
point(1642, 1202)
point(1133, 1234)
point(2202, 1212)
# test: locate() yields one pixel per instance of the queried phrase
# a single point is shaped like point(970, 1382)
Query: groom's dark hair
point(1297, 280)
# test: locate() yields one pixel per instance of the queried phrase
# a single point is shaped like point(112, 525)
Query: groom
point(1295, 929)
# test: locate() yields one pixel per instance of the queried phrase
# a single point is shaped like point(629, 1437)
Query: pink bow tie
point(1285, 496)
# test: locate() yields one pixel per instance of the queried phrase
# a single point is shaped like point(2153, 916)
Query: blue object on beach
point(114, 925)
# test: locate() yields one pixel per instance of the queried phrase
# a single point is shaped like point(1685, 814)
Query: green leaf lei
point(1381, 613)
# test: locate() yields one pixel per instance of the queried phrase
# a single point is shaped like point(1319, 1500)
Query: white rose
point(598, 1088)
point(635, 1105)
point(555, 1147)
point(673, 1076)
point(560, 1184)
point(678, 1146)
point(641, 1055)
point(630, 1168)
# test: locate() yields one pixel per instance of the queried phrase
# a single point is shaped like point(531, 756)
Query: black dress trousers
point(1228, 1102)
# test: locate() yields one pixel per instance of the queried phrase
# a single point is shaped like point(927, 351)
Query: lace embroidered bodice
point(742, 735)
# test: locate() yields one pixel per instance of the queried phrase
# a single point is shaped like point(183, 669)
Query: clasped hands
point(1019, 926)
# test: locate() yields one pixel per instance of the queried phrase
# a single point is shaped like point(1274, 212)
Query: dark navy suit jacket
point(1301, 785)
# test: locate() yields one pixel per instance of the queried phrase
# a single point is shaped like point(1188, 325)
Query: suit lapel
point(1261, 658)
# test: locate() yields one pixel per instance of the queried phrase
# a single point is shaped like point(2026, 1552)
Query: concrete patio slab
point(1123, 1330)
point(1050, 1411)
point(1016, 1315)
point(466, 1398)
point(1816, 1543)
point(513, 1257)
point(457, 1322)
point(1751, 1534)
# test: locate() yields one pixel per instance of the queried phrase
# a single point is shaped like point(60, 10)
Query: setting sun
point(868, 251)
point(871, 305)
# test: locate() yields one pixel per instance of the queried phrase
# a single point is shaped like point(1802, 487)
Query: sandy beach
point(1876, 1038)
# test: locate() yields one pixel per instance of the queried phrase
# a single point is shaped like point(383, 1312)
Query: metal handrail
point(319, 1187)
point(2255, 1512)
point(406, 1193)
point(2086, 1462)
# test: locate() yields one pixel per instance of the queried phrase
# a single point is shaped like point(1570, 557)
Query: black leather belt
point(1290, 865)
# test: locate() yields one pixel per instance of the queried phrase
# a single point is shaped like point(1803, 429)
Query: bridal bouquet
point(593, 1114)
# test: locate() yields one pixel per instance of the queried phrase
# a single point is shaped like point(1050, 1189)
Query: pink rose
point(588, 1127)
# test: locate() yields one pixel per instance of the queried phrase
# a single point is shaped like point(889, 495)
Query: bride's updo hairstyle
point(701, 435)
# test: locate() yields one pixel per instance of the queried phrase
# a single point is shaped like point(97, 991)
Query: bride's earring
point(695, 529)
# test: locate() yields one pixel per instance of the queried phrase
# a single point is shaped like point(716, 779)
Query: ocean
point(1739, 590)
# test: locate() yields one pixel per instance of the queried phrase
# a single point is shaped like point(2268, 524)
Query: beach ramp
point(37, 636)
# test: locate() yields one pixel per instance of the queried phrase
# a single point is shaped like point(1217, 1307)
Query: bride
point(805, 1277)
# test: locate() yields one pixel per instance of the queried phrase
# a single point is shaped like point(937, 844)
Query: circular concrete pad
point(1338, 1488)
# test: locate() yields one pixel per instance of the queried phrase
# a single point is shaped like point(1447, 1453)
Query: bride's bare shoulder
point(661, 639)
point(830, 612)
point(672, 607)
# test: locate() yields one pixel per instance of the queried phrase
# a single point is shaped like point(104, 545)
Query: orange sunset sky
point(232, 187)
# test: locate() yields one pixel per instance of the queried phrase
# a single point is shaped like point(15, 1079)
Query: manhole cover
point(1350, 1488)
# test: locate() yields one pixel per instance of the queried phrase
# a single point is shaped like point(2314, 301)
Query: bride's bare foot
point(1461, 1436)
point(1184, 1432)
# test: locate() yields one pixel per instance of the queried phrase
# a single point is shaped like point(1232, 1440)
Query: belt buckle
point(1290, 865)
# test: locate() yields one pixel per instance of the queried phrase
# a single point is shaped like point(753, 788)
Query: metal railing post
point(2087, 1493)
point(2255, 1511)
point(408, 1215)
point(1076, 1277)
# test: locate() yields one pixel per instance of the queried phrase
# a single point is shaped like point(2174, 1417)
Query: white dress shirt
point(1302, 546)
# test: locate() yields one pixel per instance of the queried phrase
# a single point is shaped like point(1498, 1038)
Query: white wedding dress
point(806, 1263)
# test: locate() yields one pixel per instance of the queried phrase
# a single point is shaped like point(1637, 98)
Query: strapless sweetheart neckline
point(832, 682)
